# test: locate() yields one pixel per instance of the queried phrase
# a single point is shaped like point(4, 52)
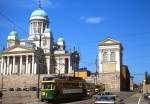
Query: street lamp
point(1, 92)
point(39, 62)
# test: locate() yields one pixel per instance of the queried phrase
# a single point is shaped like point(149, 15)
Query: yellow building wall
point(82, 74)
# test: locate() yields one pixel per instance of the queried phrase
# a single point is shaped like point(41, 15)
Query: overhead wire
point(12, 22)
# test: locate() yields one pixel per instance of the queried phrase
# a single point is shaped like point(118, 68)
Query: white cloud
point(92, 20)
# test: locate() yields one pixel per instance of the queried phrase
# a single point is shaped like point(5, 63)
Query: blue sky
point(83, 23)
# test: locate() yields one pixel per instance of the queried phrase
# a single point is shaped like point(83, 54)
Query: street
point(30, 98)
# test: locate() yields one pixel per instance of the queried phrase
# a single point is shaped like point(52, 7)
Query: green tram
point(57, 88)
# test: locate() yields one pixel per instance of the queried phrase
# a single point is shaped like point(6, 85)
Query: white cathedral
point(38, 53)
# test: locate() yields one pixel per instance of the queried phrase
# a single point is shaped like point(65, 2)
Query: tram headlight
point(43, 93)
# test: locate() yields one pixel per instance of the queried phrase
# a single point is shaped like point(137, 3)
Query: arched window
point(105, 57)
point(39, 27)
point(44, 41)
point(112, 56)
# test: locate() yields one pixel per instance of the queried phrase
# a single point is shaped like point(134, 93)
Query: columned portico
point(18, 64)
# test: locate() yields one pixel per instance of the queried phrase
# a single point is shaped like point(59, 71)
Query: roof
point(61, 40)
point(18, 49)
point(47, 30)
point(13, 33)
point(109, 41)
point(39, 12)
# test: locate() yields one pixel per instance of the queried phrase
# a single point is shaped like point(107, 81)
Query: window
point(39, 27)
point(34, 27)
point(105, 57)
point(44, 42)
point(112, 56)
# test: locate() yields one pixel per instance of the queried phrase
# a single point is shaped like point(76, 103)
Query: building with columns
point(110, 65)
point(39, 53)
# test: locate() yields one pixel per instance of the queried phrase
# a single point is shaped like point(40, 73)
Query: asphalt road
point(30, 98)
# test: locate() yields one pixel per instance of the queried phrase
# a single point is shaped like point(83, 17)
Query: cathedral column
point(35, 67)
point(14, 64)
point(48, 65)
point(30, 28)
point(2, 63)
point(32, 72)
point(4, 66)
point(69, 68)
point(42, 30)
point(20, 64)
point(26, 65)
point(8, 68)
point(29, 65)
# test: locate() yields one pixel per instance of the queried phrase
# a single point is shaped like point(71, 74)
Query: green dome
point(13, 33)
point(47, 30)
point(39, 12)
point(61, 40)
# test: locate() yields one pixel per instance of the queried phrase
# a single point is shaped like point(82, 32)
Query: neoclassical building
point(39, 53)
point(112, 72)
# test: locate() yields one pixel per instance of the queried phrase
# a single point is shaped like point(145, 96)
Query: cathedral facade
point(38, 53)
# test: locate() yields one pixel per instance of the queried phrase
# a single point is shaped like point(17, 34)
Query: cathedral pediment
point(109, 41)
point(18, 49)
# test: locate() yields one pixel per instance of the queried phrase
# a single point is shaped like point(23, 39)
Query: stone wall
point(109, 67)
point(21, 81)
point(146, 88)
point(110, 80)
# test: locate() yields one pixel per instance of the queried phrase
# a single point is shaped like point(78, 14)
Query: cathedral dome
point(39, 12)
point(61, 40)
point(13, 33)
point(47, 30)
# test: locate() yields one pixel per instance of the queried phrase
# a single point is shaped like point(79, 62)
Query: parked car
point(18, 89)
point(11, 89)
point(108, 93)
point(147, 96)
point(105, 99)
point(4, 89)
point(25, 89)
point(33, 89)
point(103, 93)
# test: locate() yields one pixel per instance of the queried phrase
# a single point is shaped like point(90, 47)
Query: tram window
point(48, 86)
point(80, 85)
point(52, 86)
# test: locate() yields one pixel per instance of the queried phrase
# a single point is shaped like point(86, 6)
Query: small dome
point(13, 33)
point(39, 12)
point(61, 40)
point(47, 30)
